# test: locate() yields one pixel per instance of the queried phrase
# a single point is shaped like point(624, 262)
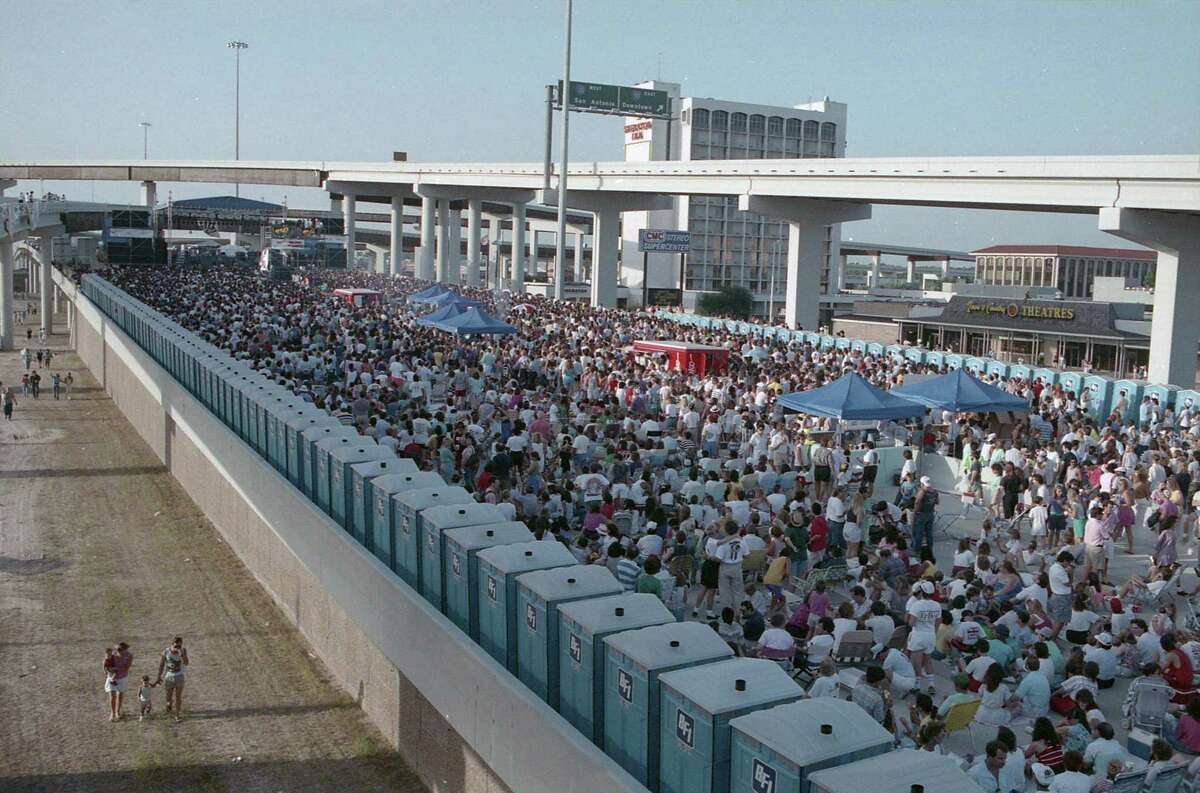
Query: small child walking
point(145, 696)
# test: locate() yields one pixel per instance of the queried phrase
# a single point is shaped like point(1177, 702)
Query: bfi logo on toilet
point(575, 647)
point(625, 685)
point(456, 565)
point(531, 617)
point(685, 728)
point(491, 588)
point(762, 777)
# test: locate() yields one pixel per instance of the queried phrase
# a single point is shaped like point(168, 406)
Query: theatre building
point(1114, 337)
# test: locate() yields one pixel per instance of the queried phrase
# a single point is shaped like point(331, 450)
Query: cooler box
point(460, 567)
point(297, 461)
point(633, 662)
point(582, 626)
point(539, 594)
point(698, 704)
point(406, 525)
point(382, 524)
point(436, 520)
point(777, 748)
point(497, 595)
point(362, 506)
point(341, 492)
point(898, 770)
point(310, 438)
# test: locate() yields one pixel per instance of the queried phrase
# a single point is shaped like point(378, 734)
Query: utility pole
point(237, 47)
point(145, 125)
point(560, 248)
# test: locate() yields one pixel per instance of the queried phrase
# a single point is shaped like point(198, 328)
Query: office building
point(1068, 268)
point(728, 246)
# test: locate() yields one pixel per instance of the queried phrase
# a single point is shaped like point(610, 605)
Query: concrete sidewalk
point(98, 544)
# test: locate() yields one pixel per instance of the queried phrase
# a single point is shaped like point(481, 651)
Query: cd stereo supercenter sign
point(663, 241)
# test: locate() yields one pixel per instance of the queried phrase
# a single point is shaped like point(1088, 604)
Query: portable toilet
point(407, 506)
point(435, 521)
point(903, 770)
point(294, 440)
point(935, 359)
point(241, 386)
point(362, 499)
point(914, 354)
point(582, 626)
point(324, 465)
point(841, 343)
point(975, 365)
point(697, 705)
point(277, 448)
point(1045, 376)
point(1131, 390)
point(633, 662)
point(259, 401)
point(1165, 394)
point(1189, 399)
point(1019, 371)
point(275, 440)
point(341, 493)
point(539, 594)
point(311, 439)
point(776, 749)
point(895, 352)
point(1071, 382)
point(1099, 390)
point(953, 361)
point(460, 567)
point(997, 369)
point(874, 349)
point(499, 567)
point(381, 521)
point(859, 346)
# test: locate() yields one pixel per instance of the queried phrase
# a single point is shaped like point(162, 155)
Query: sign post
point(661, 241)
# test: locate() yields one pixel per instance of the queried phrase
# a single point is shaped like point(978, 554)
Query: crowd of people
point(780, 531)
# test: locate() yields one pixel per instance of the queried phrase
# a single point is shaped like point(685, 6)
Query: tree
point(729, 301)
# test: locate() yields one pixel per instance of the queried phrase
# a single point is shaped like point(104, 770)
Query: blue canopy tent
point(448, 311)
point(474, 322)
point(448, 298)
point(425, 294)
point(961, 392)
point(853, 399)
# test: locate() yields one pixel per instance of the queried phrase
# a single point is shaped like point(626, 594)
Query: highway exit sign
point(616, 100)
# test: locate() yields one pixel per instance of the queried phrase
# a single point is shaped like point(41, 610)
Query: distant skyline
point(465, 81)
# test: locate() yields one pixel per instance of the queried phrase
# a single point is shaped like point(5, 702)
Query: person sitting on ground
point(826, 683)
point(961, 694)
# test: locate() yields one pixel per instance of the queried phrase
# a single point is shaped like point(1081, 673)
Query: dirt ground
point(98, 545)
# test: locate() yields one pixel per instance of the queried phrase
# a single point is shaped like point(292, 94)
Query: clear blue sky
point(352, 79)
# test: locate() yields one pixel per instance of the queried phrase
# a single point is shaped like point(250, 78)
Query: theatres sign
point(1021, 310)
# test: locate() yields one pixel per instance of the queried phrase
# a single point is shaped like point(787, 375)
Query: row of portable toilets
point(1104, 392)
point(666, 700)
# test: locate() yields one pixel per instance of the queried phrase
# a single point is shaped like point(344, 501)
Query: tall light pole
point(237, 47)
point(560, 248)
point(145, 125)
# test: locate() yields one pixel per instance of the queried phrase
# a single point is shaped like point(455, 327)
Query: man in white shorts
point(924, 615)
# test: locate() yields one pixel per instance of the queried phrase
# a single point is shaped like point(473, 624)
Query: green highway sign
point(617, 100)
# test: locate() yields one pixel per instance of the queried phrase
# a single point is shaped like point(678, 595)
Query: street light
point(560, 247)
point(237, 47)
point(145, 125)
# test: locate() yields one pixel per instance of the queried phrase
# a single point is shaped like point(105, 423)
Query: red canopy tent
point(699, 359)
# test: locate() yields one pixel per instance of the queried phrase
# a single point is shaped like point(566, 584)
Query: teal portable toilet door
point(686, 761)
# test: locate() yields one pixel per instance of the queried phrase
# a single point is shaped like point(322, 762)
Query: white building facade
point(1070, 269)
point(729, 247)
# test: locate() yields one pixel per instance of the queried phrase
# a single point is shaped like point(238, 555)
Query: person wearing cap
point(1100, 650)
point(1043, 776)
point(924, 615)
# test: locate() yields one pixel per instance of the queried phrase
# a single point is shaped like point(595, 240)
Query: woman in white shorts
point(923, 616)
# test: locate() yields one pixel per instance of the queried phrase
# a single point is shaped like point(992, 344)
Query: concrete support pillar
point(495, 230)
point(579, 276)
point(425, 255)
point(441, 268)
point(807, 219)
point(910, 271)
point(945, 269)
point(1175, 328)
point(348, 219)
point(335, 204)
point(47, 284)
point(454, 247)
point(474, 219)
point(6, 295)
point(517, 282)
point(396, 241)
point(875, 270)
point(606, 234)
point(843, 266)
point(56, 291)
point(149, 194)
point(531, 252)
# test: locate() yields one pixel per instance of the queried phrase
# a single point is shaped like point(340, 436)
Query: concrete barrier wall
point(458, 718)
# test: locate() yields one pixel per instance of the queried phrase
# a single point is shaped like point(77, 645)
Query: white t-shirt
point(776, 639)
point(1060, 580)
point(925, 614)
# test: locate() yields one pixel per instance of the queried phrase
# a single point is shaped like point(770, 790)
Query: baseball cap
point(926, 481)
point(927, 587)
point(1043, 774)
point(1105, 639)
